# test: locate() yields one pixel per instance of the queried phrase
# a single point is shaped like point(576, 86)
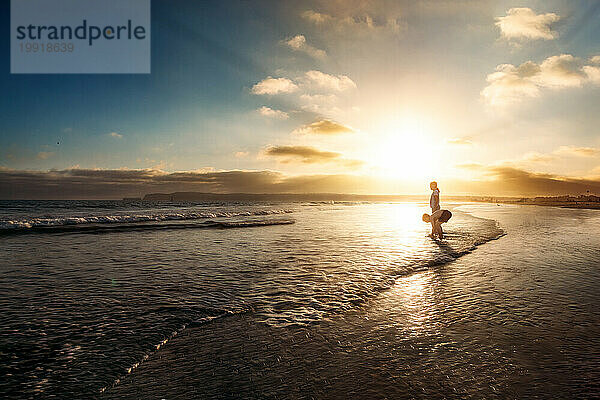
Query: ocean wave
point(31, 223)
point(337, 202)
point(110, 228)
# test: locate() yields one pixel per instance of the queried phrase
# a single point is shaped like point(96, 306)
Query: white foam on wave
point(38, 222)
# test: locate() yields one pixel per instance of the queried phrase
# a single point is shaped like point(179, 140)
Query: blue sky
point(412, 91)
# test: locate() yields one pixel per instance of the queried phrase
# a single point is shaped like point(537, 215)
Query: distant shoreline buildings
point(581, 201)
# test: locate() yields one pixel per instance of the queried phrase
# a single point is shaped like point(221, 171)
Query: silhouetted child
point(434, 200)
point(437, 219)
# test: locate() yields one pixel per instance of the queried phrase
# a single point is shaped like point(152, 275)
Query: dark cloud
point(114, 184)
point(110, 184)
point(511, 181)
point(304, 154)
point(517, 181)
point(310, 155)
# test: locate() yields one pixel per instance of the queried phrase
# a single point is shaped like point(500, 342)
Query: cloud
point(536, 157)
point(320, 103)
point(78, 183)
point(592, 71)
point(317, 91)
point(525, 24)
point(317, 18)
point(319, 98)
point(241, 154)
point(577, 151)
point(515, 181)
point(271, 113)
point(561, 71)
point(111, 184)
point(460, 141)
point(323, 127)
point(106, 183)
point(272, 86)
point(305, 154)
point(544, 158)
point(320, 80)
point(531, 157)
point(473, 166)
point(351, 164)
point(511, 84)
point(44, 155)
point(115, 135)
point(310, 155)
point(361, 24)
point(298, 43)
point(509, 180)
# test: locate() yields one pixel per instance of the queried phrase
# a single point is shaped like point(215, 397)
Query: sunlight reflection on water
point(415, 294)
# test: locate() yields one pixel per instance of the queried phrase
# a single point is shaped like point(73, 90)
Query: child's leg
point(435, 227)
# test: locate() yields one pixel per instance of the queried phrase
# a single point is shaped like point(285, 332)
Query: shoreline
point(560, 204)
point(591, 202)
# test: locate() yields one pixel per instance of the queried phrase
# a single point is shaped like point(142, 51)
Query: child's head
point(426, 218)
point(433, 185)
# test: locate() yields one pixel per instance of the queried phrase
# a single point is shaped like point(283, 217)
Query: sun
point(405, 149)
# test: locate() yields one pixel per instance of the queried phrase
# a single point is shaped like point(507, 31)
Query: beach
point(311, 300)
point(289, 199)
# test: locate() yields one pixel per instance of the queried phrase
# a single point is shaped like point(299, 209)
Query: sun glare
point(405, 149)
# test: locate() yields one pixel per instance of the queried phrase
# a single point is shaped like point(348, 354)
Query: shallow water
point(82, 308)
point(91, 289)
point(516, 318)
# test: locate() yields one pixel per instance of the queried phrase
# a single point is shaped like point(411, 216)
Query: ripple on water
point(109, 300)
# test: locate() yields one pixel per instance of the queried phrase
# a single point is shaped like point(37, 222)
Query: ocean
point(126, 299)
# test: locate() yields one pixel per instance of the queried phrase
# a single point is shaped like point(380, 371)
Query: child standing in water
point(434, 200)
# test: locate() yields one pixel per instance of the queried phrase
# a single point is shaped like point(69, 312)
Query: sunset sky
point(496, 98)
